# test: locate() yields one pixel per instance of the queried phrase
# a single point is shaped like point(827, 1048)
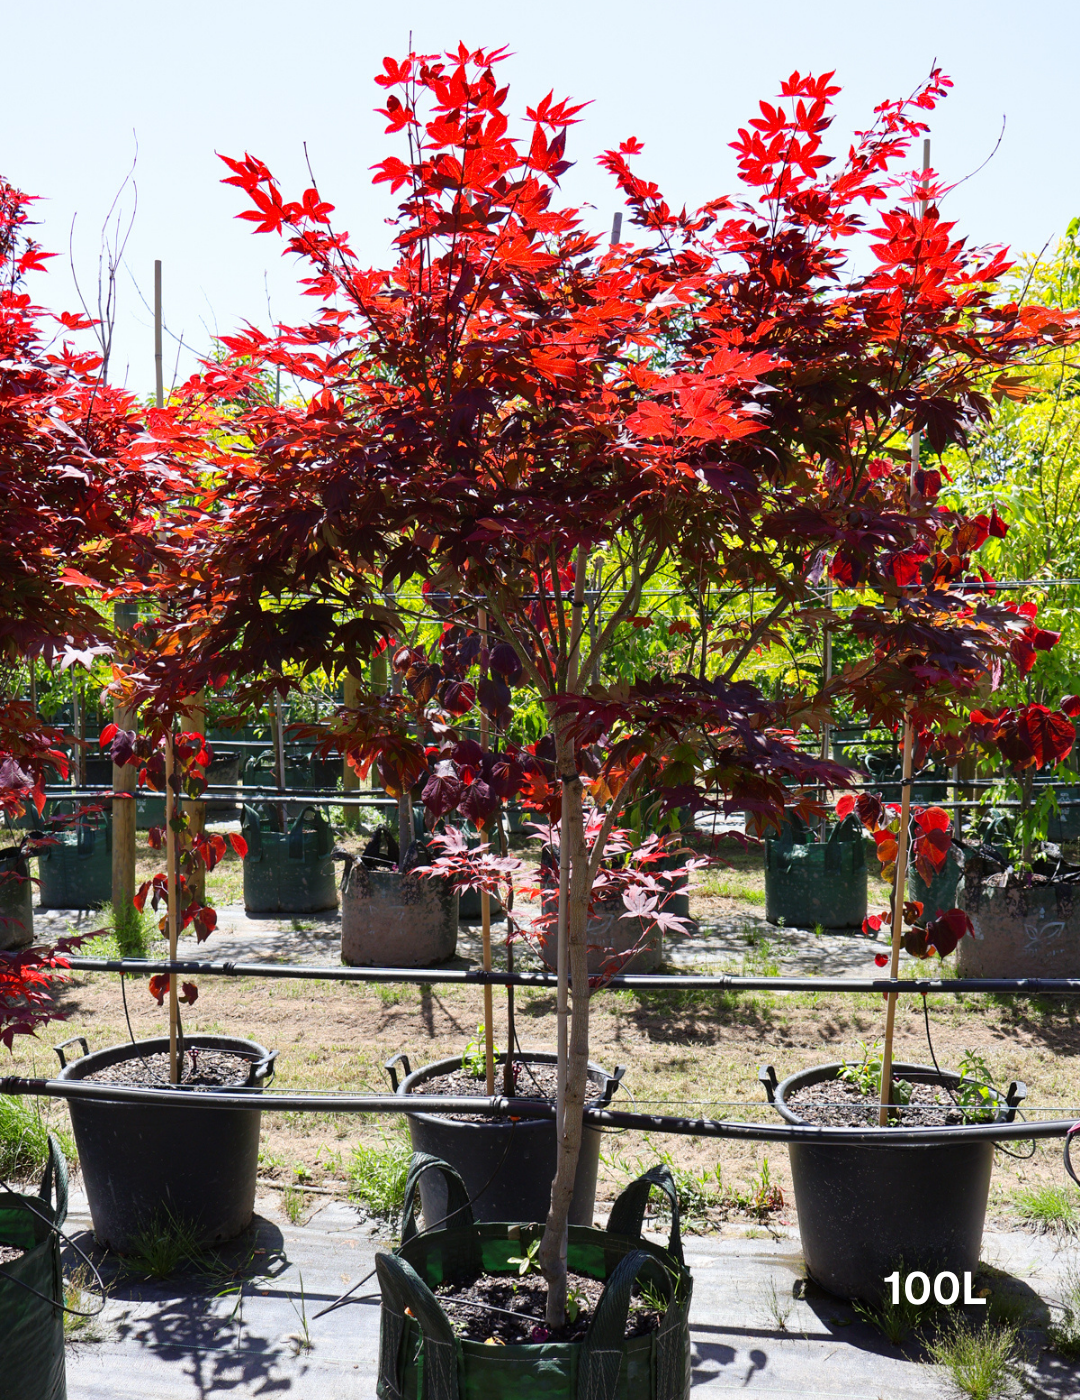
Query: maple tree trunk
point(552, 1253)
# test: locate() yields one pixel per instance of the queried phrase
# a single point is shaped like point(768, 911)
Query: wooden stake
point(485, 918)
point(350, 779)
point(174, 905)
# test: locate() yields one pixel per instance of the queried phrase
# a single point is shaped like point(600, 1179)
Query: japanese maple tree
point(513, 401)
point(85, 476)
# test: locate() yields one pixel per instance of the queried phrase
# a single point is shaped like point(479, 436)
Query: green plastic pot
point(422, 1358)
point(808, 882)
point(32, 1288)
point(291, 873)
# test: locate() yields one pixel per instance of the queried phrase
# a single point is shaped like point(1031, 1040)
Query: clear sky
point(85, 79)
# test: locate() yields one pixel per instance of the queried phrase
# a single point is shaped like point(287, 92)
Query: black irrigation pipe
point(339, 797)
point(636, 981)
point(499, 1107)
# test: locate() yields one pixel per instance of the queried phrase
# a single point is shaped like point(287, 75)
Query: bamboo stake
point(350, 779)
point(485, 916)
point(562, 963)
point(173, 905)
point(196, 811)
point(899, 892)
point(900, 876)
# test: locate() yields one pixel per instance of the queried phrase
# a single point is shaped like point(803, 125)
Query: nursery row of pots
point(1022, 928)
point(484, 1185)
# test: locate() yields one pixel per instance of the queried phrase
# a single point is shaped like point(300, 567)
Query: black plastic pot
point(865, 1211)
point(142, 1164)
point(507, 1167)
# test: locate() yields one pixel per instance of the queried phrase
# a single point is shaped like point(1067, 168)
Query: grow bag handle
point(457, 1198)
point(1068, 1144)
point(55, 1168)
point(604, 1348)
point(402, 1287)
point(324, 838)
point(844, 833)
point(56, 1173)
point(628, 1212)
point(251, 826)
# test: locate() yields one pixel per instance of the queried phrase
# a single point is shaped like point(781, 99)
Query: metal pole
point(173, 905)
point(485, 907)
point(125, 615)
point(159, 382)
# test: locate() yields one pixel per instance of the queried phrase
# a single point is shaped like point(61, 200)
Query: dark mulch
point(203, 1069)
point(534, 1081)
point(836, 1104)
point(470, 1307)
point(10, 1252)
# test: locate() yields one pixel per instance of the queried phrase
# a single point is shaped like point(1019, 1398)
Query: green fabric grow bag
point(816, 882)
point(942, 891)
point(32, 1289)
point(16, 899)
point(291, 873)
point(76, 873)
point(421, 1357)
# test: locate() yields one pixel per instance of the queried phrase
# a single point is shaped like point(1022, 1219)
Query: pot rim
point(128, 1050)
point(917, 1074)
point(597, 1075)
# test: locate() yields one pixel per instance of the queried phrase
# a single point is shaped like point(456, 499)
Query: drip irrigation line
point(632, 981)
point(500, 1107)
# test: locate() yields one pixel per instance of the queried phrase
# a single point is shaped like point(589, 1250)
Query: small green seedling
point(866, 1077)
point(527, 1263)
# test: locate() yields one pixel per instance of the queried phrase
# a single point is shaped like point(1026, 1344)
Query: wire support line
point(631, 981)
point(500, 1107)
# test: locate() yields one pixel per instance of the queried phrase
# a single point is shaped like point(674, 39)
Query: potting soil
point(202, 1069)
point(478, 1310)
point(10, 1252)
point(533, 1081)
point(836, 1104)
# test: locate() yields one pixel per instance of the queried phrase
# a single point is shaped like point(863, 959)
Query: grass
point(292, 1204)
point(377, 1175)
point(80, 1294)
point(982, 1363)
point(1063, 1335)
point(24, 1140)
point(132, 935)
point(1049, 1209)
point(166, 1245)
point(895, 1321)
